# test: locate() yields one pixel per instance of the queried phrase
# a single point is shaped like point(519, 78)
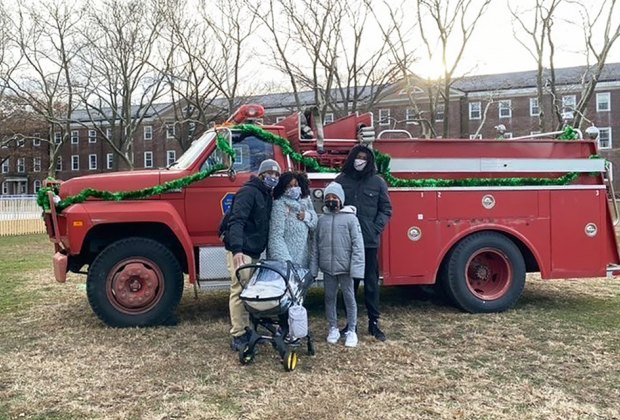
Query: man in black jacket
point(246, 239)
point(368, 192)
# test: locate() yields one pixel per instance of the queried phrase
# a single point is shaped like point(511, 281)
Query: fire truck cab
point(482, 214)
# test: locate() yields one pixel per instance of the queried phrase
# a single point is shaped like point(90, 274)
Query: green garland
point(124, 195)
point(286, 147)
point(569, 133)
point(382, 161)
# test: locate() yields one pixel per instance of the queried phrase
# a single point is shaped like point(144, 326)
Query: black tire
point(485, 273)
point(441, 284)
point(135, 282)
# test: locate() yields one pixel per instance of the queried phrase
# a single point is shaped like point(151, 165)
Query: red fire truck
point(470, 216)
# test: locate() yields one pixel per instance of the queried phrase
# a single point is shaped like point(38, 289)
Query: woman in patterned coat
point(292, 220)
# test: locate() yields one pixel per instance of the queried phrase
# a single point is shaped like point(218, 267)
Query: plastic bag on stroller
point(273, 296)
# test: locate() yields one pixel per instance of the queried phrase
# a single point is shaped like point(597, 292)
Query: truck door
point(207, 200)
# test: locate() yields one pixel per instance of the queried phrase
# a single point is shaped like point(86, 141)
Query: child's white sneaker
point(351, 339)
point(333, 336)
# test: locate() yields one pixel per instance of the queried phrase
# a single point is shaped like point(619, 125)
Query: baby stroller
point(273, 294)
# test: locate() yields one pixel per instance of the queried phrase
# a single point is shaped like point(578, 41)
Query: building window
point(36, 185)
point(5, 188)
point(171, 157)
point(604, 138)
point(170, 130)
point(475, 136)
point(59, 163)
point(440, 112)
point(603, 102)
point(108, 133)
point(148, 159)
point(5, 166)
point(191, 128)
point(384, 117)
point(92, 162)
point(410, 115)
point(57, 137)
point(92, 136)
point(75, 162)
point(109, 160)
point(148, 132)
point(21, 165)
point(36, 141)
point(329, 118)
point(21, 142)
point(568, 106)
point(534, 108)
point(278, 119)
point(475, 110)
point(36, 164)
point(75, 137)
point(505, 109)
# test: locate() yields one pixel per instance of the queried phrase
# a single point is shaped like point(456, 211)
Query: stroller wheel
point(290, 360)
point(246, 356)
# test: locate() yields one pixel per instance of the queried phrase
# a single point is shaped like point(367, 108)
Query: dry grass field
point(556, 356)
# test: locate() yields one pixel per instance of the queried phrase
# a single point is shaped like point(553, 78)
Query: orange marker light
point(78, 223)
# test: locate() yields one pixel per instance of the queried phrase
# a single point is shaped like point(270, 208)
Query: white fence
point(20, 214)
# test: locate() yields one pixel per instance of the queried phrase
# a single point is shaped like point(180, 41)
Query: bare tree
point(46, 40)
point(397, 36)
point(537, 24)
point(122, 72)
point(324, 47)
point(604, 17)
point(452, 23)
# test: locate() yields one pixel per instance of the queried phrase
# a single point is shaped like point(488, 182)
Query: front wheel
point(135, 282)
point(485, 273)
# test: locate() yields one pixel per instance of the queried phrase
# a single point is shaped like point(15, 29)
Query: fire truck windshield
point(191, 154)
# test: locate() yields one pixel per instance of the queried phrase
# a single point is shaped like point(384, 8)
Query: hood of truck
point(112, 182)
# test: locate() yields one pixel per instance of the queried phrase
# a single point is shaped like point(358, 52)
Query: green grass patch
point(20, 257)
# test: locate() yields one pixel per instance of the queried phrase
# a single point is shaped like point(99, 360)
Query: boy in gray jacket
point(339, 252)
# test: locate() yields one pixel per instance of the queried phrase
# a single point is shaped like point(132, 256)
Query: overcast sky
point(494, 49)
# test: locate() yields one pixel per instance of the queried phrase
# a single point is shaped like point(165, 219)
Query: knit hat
point(336, 189)
point(269, 165)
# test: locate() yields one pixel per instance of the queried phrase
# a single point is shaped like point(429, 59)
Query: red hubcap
point(134, 286)
point(489, 274)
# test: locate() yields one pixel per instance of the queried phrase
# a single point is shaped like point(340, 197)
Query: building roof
point(526, 79)
point(82, 114)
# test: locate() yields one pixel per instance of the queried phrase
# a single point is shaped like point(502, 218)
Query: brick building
point(511, 100)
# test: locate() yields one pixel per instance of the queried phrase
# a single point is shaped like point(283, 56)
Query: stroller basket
point(268, 295)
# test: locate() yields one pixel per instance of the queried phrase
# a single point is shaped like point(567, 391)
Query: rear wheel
point(135, 282)
point(485, 273)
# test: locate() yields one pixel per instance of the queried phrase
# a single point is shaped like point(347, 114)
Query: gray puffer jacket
point(338, 244)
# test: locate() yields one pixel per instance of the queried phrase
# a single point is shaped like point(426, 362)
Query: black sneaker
point(239, 342)
point(375, 331)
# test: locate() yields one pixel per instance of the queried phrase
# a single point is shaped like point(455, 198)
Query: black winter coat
point(248, 226)
point(370, 197)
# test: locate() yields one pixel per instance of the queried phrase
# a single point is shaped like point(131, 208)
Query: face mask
point(332, 204)
point(270, 181)
point(359, 164)
point(293, 192)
